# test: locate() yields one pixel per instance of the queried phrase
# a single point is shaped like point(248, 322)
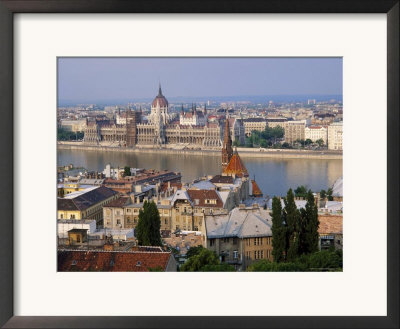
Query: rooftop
point(110, 261)
point(82, 201)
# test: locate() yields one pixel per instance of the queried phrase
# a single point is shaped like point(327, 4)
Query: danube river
point(274, 176)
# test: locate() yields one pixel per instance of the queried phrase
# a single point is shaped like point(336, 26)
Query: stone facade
point(128, 130)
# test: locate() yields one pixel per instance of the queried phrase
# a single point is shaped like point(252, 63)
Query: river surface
point(274, 176)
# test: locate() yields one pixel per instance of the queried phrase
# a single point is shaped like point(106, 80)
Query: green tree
point(307, 141)
point(236, 142)
point(197, 262)
point(326, 260)
point(66, 135)
point(301, 191)
point(309, 224)
point(218, 268)
point(320, 142)
point(148, 228)
point(291, 216)
point(322, 194)
point(127, 171)
point(249, 142)
point(193, 251)
point(278, 231)
point(329, 194)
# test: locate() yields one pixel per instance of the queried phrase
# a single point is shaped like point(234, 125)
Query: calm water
point(273, 176)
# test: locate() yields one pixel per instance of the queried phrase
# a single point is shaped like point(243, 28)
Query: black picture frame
point(10, 7)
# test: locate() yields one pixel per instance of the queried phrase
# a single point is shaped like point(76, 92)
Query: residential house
point(241, 237)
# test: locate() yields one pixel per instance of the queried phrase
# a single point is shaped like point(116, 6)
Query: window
point(255, 254)
point(72, 217)
point(61, 216)
point(78, 238)
point(118, 222)
point(166, 221)
point(235, 254)
point(255, 241)
point(212, 242)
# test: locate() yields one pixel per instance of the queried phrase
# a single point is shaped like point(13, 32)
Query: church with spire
point(227, 151)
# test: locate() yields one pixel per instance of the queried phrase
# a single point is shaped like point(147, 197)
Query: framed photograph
point(199, 165)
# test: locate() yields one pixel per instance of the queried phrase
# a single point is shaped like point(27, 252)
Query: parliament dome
point(160, 99)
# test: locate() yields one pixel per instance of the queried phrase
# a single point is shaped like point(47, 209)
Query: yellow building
point(85, 204)
point(70, 187)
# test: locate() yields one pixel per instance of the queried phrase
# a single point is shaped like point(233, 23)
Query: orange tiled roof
point(256, 190)
point(236, 167)
point(110, 261)
point(329, 224)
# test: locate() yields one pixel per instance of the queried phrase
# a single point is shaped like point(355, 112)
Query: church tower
point(227, 150)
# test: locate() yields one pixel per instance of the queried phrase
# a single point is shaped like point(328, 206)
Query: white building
point(192, 118)
point(335, 136)
point(315, 133)
point(111, 172)
point(65, 225)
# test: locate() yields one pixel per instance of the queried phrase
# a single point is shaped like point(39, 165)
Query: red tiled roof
point(236, 167)
point(256, 190)
point(203, 195)
point(110, 261)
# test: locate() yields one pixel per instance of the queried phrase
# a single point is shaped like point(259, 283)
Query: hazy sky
point(102, 79)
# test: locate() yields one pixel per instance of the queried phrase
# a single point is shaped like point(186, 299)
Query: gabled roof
point(85, 200)
point(241, 223)
point(236, 167)
point(111, 261)
point(180, 195)
point(202, 196)
point(203, 185)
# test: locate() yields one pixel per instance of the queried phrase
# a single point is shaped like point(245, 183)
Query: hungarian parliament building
point(191, 127)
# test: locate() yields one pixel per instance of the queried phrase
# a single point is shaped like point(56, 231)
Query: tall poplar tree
point(310, 225)
point(278, 231)
point(148, 228)
point(292, 219)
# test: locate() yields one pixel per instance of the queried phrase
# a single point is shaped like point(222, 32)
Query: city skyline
point(97, 80)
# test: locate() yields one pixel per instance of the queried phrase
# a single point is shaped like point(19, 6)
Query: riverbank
point(244, 152)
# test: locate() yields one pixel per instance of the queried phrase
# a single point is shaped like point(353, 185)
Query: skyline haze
point(102, 80)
